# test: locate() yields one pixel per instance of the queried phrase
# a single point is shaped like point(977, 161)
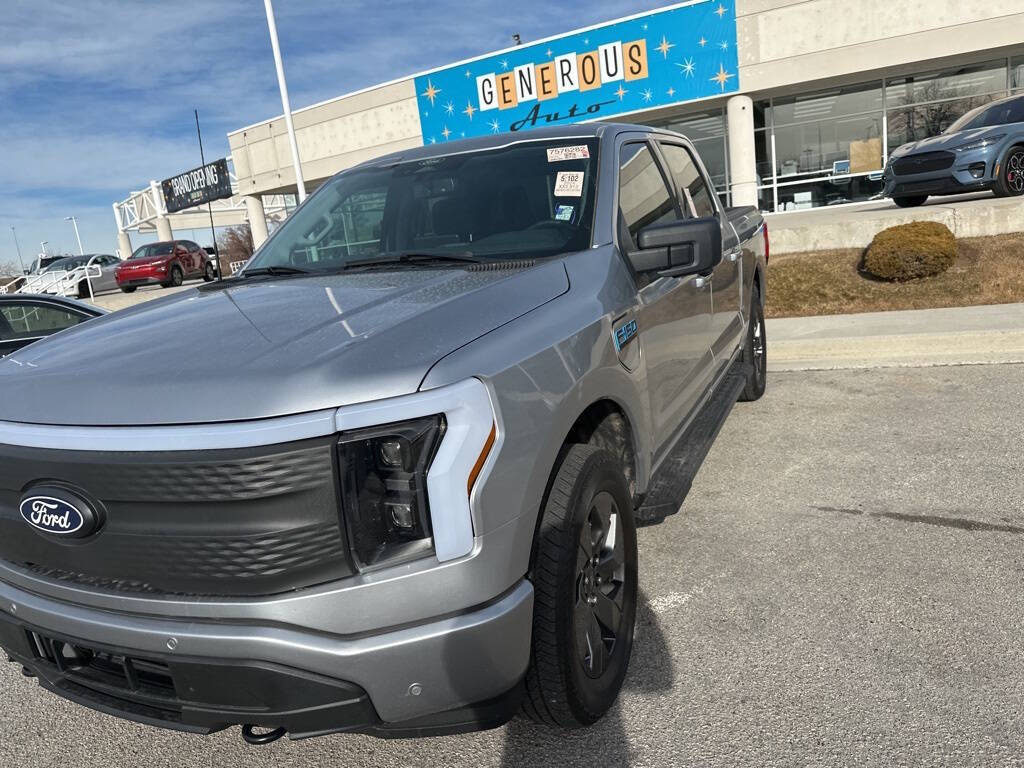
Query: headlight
point(383, 473)
point(988, 141)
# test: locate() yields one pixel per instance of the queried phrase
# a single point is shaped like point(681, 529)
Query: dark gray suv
point(982, 150)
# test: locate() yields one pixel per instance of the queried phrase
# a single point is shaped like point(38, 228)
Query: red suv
point(168, 263)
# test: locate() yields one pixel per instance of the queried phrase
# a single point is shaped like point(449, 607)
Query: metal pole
point(74, 223)
point(18, 248)
point(209, 205)
point(299, 183)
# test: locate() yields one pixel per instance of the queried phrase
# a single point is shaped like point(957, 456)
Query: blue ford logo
point(58, 511)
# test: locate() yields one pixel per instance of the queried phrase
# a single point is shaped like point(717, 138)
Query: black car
point(26, 317)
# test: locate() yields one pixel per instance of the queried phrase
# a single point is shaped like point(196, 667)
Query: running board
point(672, 480)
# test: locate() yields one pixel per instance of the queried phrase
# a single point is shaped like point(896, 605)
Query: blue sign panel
point(670, 56)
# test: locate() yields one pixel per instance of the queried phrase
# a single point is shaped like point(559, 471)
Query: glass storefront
point(829, 147)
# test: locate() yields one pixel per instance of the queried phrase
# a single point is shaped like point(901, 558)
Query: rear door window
point(692, 187)
point(30, 320)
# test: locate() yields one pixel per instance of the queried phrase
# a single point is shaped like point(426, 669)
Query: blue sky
point(96, 97)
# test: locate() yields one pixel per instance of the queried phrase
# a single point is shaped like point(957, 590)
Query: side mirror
point(679, 248)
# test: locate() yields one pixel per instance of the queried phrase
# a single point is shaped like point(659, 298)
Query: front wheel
point(755, 350)
point(208, 273)
point(1011, 174)
point(584, 573)
point(910, 202)
point(128, 288)
point(177, 277)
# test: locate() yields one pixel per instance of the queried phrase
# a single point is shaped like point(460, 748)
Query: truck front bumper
point(450, 674)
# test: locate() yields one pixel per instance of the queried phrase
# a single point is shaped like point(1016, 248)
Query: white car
point(81, 276)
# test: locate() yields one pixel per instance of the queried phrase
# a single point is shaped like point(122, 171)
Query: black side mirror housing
point(679, 248)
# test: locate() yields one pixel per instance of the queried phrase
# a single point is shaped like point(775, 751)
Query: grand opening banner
point(670, 56)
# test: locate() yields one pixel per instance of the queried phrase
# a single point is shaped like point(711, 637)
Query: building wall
point(784, 46)
point(787, 42)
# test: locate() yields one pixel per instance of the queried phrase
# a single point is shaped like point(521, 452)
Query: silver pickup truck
point(397, 490)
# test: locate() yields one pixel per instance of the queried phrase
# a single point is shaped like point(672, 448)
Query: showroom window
point(829, 147)
point(920, 106)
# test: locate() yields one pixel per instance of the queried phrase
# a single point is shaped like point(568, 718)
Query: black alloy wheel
point(1011, 177)
point(600, 585)
point(755, 350)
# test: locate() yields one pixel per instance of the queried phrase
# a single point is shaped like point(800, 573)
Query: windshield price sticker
point(569, 184)
point(580, 152)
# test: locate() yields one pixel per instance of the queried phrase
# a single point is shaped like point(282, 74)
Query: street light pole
point(42, 245)
point(299, 182)
point(74, 223)
point(18, 249)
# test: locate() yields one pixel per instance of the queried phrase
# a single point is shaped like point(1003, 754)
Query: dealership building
point(793, 104)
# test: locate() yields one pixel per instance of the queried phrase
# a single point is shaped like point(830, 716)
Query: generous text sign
point(674, 55)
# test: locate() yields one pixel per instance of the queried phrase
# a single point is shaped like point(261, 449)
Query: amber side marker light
point(475, 472)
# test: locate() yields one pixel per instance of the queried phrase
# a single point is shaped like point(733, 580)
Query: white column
point(124, 244)
point(742, 155)
point(257, 219)
point(163, 224)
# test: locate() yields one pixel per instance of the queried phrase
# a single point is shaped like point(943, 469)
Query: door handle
point(734, 256)
point(701, 281)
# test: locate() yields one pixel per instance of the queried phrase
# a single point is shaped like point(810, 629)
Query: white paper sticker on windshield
point(569, 184)
point(579, 152)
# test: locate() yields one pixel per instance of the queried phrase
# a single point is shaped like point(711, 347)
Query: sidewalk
point(913, 338)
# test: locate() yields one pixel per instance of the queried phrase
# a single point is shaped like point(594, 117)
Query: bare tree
point(234, 244)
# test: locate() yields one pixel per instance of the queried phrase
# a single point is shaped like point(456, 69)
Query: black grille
point(925, 162)
point(239, 522)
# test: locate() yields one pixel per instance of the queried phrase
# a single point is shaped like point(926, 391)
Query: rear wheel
point(129, 288)
point(1011, 174)
point(83, 289)
point(584, 573)
point(755, 350)
point(910, 202)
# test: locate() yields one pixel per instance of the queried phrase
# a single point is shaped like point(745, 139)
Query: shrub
point(909, 251)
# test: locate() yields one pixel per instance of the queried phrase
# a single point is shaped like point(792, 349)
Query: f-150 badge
point(624, 334)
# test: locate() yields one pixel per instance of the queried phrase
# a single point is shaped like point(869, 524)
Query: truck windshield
point(527, 200)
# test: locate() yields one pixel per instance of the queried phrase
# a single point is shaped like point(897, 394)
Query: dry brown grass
point(988, 270)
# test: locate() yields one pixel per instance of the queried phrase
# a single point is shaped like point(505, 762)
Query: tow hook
point(252, 736)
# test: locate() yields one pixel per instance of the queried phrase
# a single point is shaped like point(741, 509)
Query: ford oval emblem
point(58, 511)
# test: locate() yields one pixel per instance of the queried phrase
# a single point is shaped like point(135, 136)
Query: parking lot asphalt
point(842, 587)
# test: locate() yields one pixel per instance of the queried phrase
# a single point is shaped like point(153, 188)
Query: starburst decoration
point(687, 67)
point(494, 125)
point(644, 27)
point(469, 110)
point(724, 45)
point(504, 63)
point(665, 46)
point(549, 52)
point(721, 10)
point(647, 95)
point(468, 73)
point(433, 140)
point(446, 133)
point(431, 92)
point(722, 77)
point(586, 41)
point(702, 42)
point(621, 92)
point(671, 91)
point(449, 108)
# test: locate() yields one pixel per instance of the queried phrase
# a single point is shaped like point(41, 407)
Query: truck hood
point(266, 347)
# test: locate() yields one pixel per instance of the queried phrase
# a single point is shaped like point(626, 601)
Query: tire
point(177, 277)
point(128, 288)
point(580, 607)
point(208, 273)
point(910, 202)
point(1011, 174)
point(755, 350)
point(83, 289)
